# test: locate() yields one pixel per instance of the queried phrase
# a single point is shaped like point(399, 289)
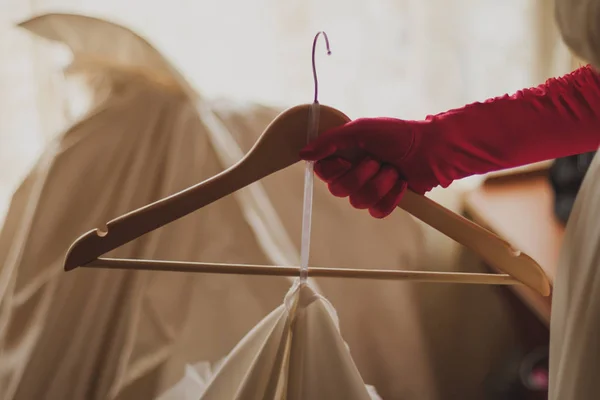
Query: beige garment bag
point(130, 334)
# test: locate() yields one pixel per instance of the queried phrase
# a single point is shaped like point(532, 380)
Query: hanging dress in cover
point(294, 353)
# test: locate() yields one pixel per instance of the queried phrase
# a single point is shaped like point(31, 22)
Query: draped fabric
point(105, 334)
point(575, 326)
point(296, 353)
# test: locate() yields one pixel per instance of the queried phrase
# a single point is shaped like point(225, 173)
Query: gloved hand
point(373, 160)
point(387, 156)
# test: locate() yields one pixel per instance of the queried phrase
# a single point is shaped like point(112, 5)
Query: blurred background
point(400, 58)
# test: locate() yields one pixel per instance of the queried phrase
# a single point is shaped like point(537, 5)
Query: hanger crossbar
point(315, 272)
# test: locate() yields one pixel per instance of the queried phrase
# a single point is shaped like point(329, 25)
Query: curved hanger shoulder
point(277, 148)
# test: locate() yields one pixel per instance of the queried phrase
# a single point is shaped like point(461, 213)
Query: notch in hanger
point(277, 148)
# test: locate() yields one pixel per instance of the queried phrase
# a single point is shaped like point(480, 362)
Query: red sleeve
point(558, 118)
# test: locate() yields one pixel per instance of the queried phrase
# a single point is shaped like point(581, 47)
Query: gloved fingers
point(390, 201)
point(355, 178)
point(375, 189)
point(331, 168)
point(329, 142)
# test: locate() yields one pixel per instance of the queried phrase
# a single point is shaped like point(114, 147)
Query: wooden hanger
point(278, 148)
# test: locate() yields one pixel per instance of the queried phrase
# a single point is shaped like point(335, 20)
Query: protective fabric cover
point(575, 326)
point(294, 353)
point(96, 334)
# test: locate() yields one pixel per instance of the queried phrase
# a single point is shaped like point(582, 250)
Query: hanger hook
point(314, 68)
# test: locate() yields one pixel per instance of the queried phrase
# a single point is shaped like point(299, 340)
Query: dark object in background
point(522, 376)
point(534, 371)
point(566, 175)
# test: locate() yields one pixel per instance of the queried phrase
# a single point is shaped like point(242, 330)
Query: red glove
point(556, 119)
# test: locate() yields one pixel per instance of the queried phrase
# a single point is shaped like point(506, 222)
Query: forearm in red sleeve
point(558, 118)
